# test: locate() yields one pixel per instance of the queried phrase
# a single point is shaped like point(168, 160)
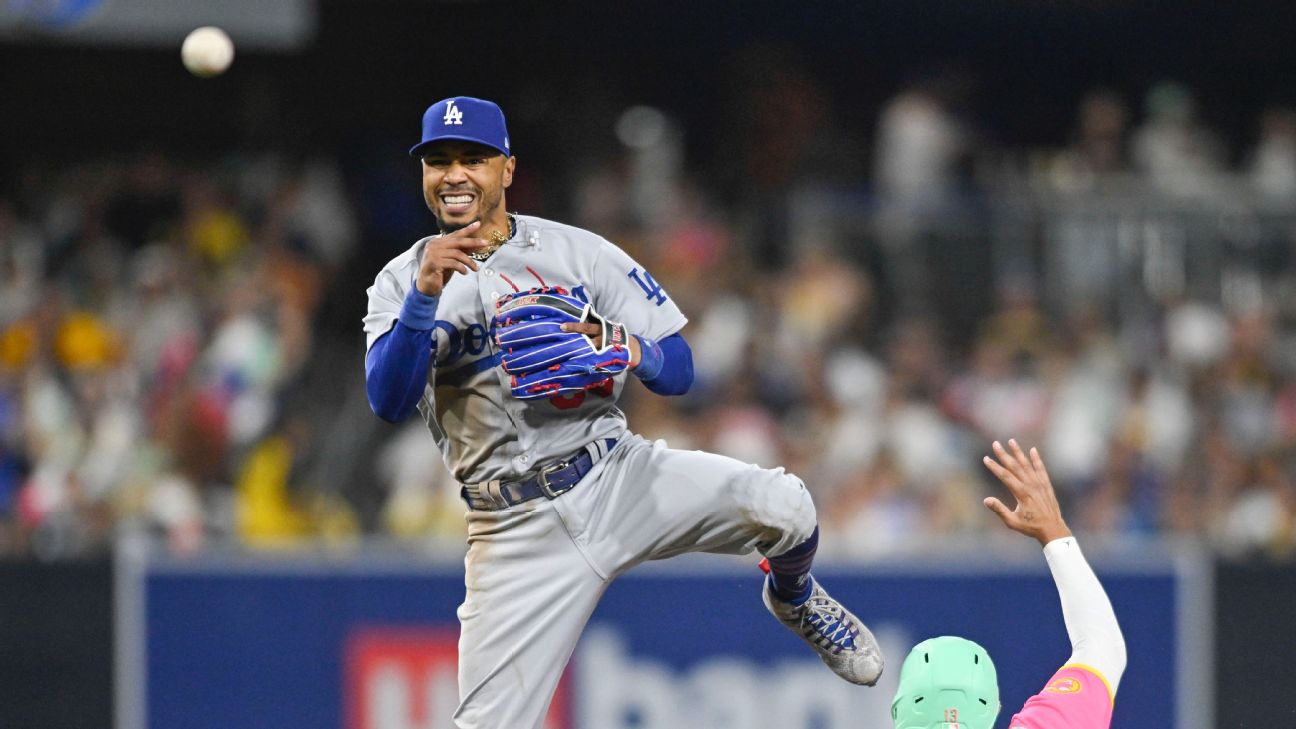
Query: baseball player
point(950, 683)
point(513, 337)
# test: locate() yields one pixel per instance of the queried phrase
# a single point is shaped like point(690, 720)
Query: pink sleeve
point(1077, 697)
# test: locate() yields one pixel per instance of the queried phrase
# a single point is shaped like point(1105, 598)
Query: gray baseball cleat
point(844, 643)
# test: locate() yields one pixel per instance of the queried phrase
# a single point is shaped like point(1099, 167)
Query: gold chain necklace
point(498, 237)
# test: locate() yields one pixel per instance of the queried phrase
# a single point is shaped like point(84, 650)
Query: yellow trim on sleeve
point(1110, 694)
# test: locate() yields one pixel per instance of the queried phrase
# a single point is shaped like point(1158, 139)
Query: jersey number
point(574, 400)
point(651, 288)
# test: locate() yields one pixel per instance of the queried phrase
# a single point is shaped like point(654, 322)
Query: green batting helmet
point(946, 683)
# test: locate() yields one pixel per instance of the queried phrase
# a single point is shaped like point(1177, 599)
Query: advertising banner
point(686, 644)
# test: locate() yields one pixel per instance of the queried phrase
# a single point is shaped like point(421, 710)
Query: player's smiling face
point(465, 181)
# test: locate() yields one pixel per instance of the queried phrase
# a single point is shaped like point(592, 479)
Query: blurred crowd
point(155, 327)
point(1127, 302)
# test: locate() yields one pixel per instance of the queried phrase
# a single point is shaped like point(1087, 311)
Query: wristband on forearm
point(650, 359)
point(419, 310)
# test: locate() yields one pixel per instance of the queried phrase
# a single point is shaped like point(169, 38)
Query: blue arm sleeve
point(674, 366)
point(397, 364)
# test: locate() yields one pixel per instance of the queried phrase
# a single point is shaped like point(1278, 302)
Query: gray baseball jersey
point(484, 433)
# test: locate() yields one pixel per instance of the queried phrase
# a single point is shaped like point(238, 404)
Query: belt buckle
point(544, 479)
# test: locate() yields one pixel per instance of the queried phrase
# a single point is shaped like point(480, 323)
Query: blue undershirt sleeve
point(667, 367)
point(397, 363)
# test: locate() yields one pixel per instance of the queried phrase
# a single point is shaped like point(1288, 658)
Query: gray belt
point(551, 481)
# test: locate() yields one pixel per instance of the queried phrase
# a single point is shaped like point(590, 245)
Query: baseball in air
point(207, 51)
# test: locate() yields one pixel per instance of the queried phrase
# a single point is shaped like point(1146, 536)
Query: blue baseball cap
point(465, 118)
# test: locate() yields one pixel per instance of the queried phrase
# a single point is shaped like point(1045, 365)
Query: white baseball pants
point(535, 572)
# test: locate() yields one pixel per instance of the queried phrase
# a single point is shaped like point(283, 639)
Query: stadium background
point(900, 230)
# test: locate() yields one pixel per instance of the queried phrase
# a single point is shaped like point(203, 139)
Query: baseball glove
point(542, 359)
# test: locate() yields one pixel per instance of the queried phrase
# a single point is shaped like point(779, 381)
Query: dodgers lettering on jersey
point(482, 431)
point(1077, 697)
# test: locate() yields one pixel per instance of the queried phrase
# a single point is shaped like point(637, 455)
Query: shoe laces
point(828, 618)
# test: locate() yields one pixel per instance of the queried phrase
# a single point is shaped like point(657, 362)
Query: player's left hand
point(1037, 514)
point(544, 357)
point(595, 333)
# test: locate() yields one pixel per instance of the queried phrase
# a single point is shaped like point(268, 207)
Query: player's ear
point(509, 164)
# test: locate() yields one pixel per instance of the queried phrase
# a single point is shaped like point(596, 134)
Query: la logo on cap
point(453, 115)
point(462, 118)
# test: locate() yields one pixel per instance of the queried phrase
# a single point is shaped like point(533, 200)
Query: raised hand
point(1037, 514)
point(447, 255)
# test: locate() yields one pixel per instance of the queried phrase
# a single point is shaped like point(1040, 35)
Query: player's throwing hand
point(1037, 514)
point(444, 256)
